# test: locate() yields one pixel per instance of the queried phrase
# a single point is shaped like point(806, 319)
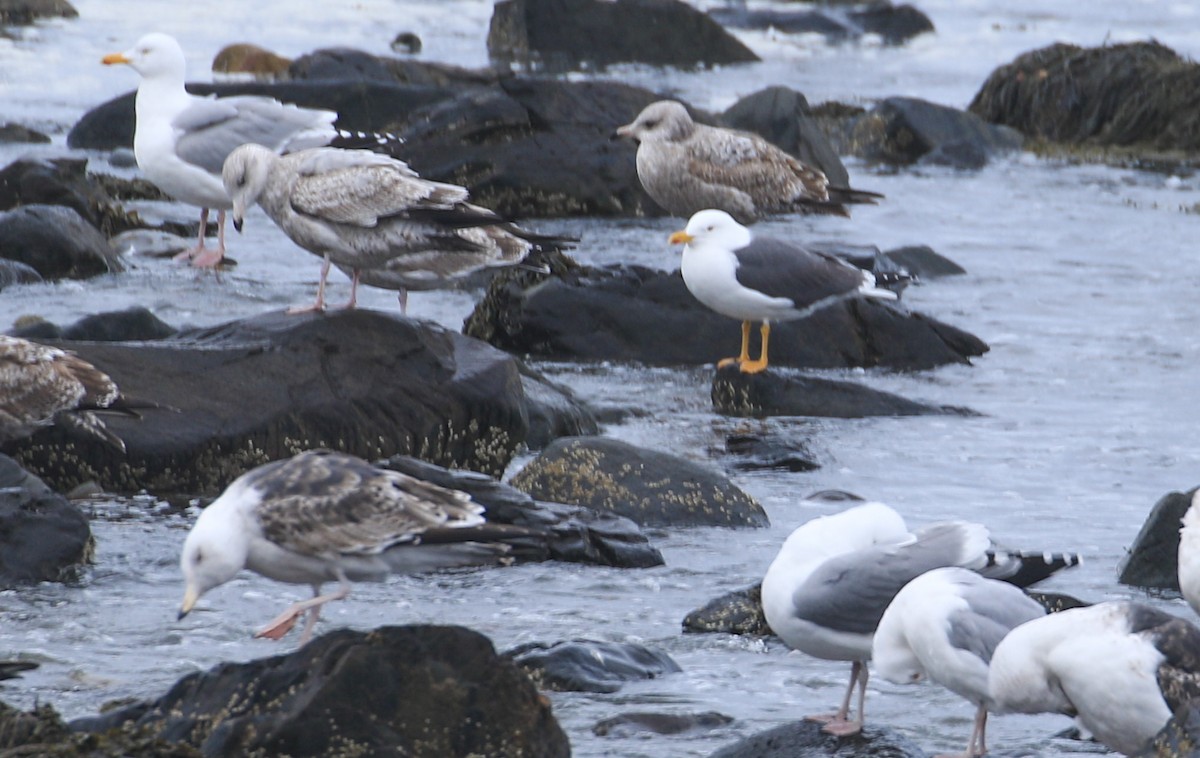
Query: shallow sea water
point(1081, 278)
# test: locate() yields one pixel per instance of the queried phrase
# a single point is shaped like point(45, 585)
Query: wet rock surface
point(43, 536)
point(414, 690)
point(56, 242)
point(801, 739)
point(650, 487)
point(590, 666)
point(1152, 561)
point(737, 612)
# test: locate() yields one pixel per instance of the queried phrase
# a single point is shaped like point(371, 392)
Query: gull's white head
point(155, 56)
point(713, 227)
point(665, 121)
point(215, 550)
point(245, 174)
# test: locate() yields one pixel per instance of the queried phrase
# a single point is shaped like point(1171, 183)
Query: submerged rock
point(805, 738)
point(772, 393)
point(590, 666)
point(573, 533)
point(648, 486)
point(259, 389)
point(565, 35)
point(43, 536)
point(417, 691)
point(637, 314)
point(639, 724)
point(904, 130)
point(15, 272)
point(1152, 561)
point(894, 24)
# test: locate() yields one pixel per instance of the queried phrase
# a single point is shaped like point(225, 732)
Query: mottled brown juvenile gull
point(42, 385)
point(1120, 668)
point(826, 591)
point(374, 216)
point(687, 167)
point(944, 626)
point(181, 140)
point(322, 516)
point(753, 278)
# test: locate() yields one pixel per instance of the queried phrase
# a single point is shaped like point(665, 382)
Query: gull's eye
point(651, 123)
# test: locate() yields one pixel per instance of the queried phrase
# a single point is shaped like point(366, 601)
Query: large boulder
point(572, 533)
point(1152, 561)
point(250, 391)
point(633, 313)
point(1140, 97)
point(565, 35)
point(43, 537)
point(648, 486)
point(782, 116)
point(413, 691)
point(590, 665)
point(56, 242)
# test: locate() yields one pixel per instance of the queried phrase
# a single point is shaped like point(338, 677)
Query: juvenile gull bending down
point(42, 385)
point(1189, 554)
point(826, 591)
point(753, 278)
point(1120, 668)
point(944, 626)
point(181, 140)
point(375, 216)
point(687, 167)
point(323, 516)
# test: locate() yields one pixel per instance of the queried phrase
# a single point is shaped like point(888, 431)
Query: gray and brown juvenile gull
point(755, 278)
point(834, 577)
point(687, 167)
point(42, 385)
point(181, 140)
point(944, 626)
point(322, 516)
point(374, 216)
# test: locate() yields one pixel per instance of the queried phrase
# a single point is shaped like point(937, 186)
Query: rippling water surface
point(1081, 278)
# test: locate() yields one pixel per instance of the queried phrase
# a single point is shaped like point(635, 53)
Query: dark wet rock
point(15, 272)
point(736, 612)
point(568, 35)
point(25, 12)
point(922, 262)
point(393, 691)
point(348, 64)
point(56, 242)
point(636, 314)
point(753, 452)
point(782, 116)
point(1054, 602)
point(804, 739)
point(903, 130)
point(133, 323)
point(406, 43)
point(43, 537)
point(774, 393)
point(895, 25)
point(1139, 97)
point(1153, 559)
point(590, 666)
point(554, 411)
point(573, 533)
point(64, 182)
point(639, 724)
point(14, 669)
point(650, 487)
point(246, 392)
point(42, 732)
point(17, 133)
point(1180, 738)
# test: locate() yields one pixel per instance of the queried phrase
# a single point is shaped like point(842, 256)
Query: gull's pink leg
point(319, 305)
point(207, 258)
point(187, 255)
point(403, 295)
point(840, 723)
point(283, 623)
point(353, 301)
point(844, 710)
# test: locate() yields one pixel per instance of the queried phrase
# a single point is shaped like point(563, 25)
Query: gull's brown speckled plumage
point(41, 385)
point(688, 167)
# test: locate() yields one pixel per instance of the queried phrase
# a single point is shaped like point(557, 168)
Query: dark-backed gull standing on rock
point(1120, 668)
point(42, 385)
point(687, 167)
point(322, 516)
point(181, 140)
point(373, 215)
point(944, 626)
point(834, 577)
point(754, 278)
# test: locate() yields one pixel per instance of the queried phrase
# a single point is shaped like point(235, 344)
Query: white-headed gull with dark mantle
point(756, 278)
point(1189, 553)
point(835, 575)
point(321, 517)
point(181, 140)
point(1120, 668)
point(687, 167)
point(944, 626)
point(373, 215)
